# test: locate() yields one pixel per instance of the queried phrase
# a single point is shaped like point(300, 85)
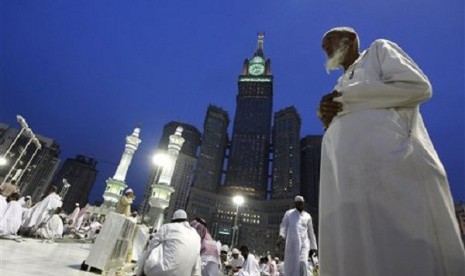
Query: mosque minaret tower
point(162, 189)
point(116, 184)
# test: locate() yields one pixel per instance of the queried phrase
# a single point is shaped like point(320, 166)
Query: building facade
point(81, 173)
point(35, 167)
point(286, 154)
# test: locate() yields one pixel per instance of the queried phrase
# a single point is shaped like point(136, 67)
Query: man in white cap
point(385, 200)
point(173, 250)
point(297, 229)
point(236, 261)
point(124, 204)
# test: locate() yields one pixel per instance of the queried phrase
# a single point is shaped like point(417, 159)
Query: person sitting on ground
point(53, 228)
point(250, 266)
point(236, 261)
point(174, 250)
point(12, 217)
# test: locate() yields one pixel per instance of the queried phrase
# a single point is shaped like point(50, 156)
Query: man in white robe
point(74, 214)
point(173, 250)
point(53, 228)
point(43, 209)
point(250, 266)
point(12, 217)
point(385, 202)
point(297, 229)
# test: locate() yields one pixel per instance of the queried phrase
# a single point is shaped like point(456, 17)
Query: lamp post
point(24, 126)
point(38, 147)
point(23, 151)
point(65, 189)
point(238, 200)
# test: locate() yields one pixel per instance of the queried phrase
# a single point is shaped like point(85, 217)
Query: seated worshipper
point(74, 214)
point(250, 266)
point(124, 204)
point(25, 202)
point(173, 250)
point(209, 250)
point(43, 210)
point(264, 266)
point(53, 228)
point(11, 219)
point(235, 262)
point(8, 188)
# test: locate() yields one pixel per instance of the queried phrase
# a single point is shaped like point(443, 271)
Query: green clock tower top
point(257, 68)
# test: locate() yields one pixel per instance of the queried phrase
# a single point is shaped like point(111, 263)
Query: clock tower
point(248, 164)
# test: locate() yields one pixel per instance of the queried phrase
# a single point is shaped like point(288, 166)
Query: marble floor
point(34, 257)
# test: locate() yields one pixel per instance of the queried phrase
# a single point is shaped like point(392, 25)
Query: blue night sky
point(85, 73)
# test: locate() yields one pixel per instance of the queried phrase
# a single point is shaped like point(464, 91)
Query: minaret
point(162, 189)
point(116, 185)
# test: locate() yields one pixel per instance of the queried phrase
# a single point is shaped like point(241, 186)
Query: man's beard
point(334, 61)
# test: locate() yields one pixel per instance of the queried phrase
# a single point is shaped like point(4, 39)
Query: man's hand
point(280, 242)
point(329, 108)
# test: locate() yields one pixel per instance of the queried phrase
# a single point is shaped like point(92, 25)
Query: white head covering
point(225, 247)
point(179, 214)
point(235, 251)
point(299, 198)
point(129, 191)
point(77, 204)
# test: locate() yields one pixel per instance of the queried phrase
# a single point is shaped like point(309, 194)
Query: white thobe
point(3, 204)
point(11, 219)
point(74, 214)
point(297, 228)
point(385, 201)
point(250, 267)
point(53, 229)
point(42, 210)
point(173, 250)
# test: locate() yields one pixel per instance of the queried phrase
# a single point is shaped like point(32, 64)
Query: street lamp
point(23, 151)
point(238, 200)
point(38, 147)
point(24, 126)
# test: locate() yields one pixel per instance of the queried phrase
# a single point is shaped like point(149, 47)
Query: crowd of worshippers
point(183, 247)
point(19, 217)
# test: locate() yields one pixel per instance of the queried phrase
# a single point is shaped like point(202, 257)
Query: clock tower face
point(257, 66)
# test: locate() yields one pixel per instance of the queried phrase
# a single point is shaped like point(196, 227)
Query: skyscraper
point(81, 173)
point(286, 154)
point(247, 169)
point(208, 174)
point(310, 147)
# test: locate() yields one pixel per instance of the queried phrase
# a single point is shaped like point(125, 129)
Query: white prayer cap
point(77, 204)
point(235, 251)
point(129, 191)
point(28, 196)
point(225, 248)
point(299, 198)
point(179, 214)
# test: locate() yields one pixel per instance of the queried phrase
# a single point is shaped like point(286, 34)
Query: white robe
point(53, 229)
point(297, 228)
point(250, 267)
point(42, 210)
point(3, 204)
point(174, 250)
point(385, 203)
point(74, 214)
point(11, 219)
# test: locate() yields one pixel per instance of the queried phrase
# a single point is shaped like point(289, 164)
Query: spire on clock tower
point(259, 51)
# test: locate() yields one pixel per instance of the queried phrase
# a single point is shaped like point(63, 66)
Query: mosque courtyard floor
point(36, 257)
